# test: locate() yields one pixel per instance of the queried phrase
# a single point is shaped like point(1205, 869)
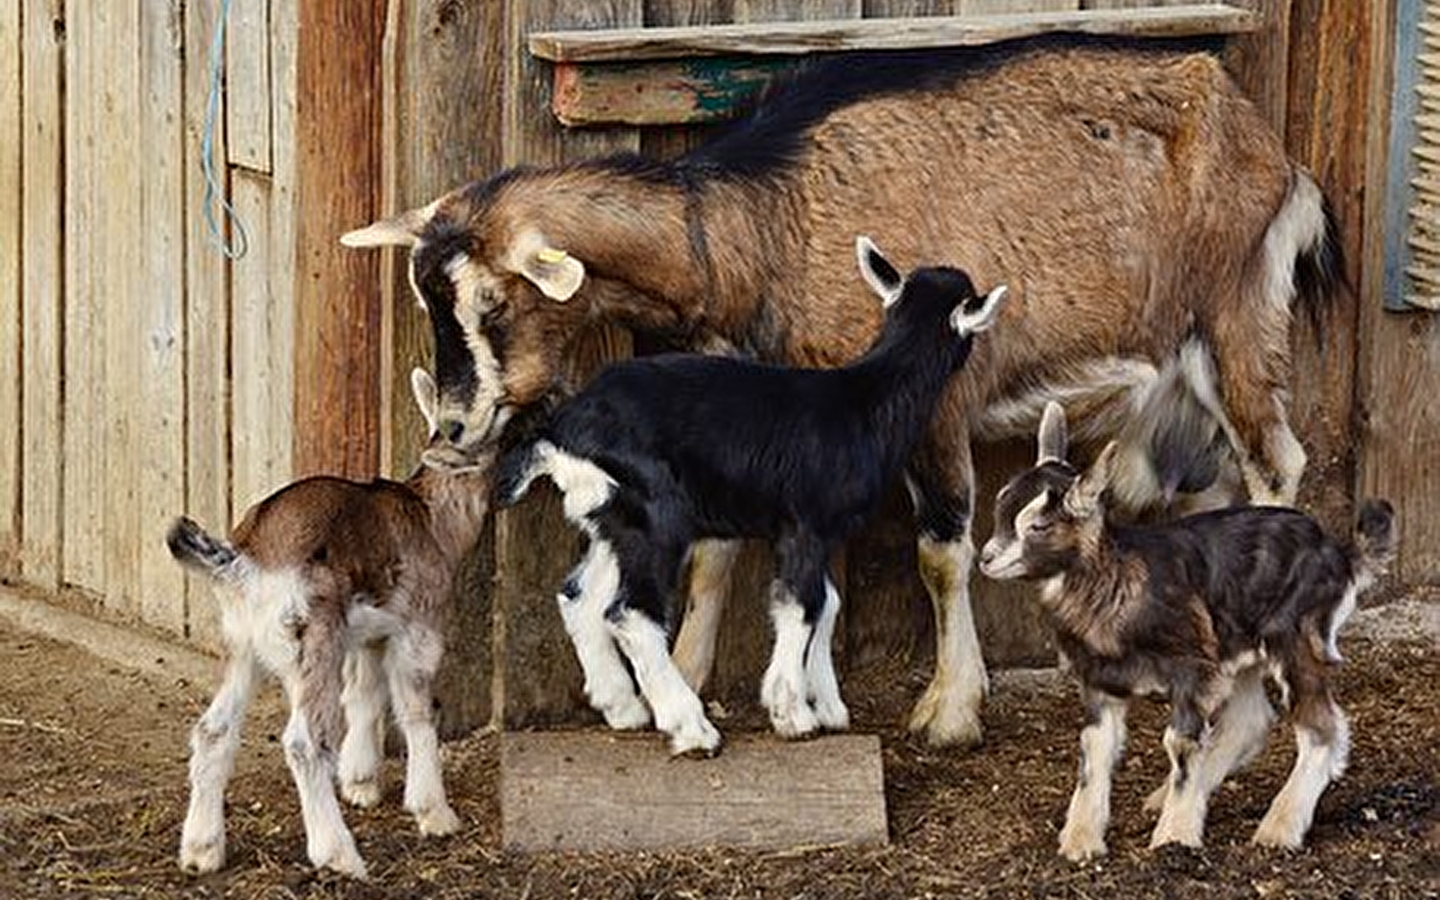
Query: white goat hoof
point(202, 857)
point(346, 861)
point(438, 821)
point(363, 794)
point(1277, 836)
point(703, 741)
point(627, 716)
point(832, 716)
point(1167, 832)
point(946, 724)
point(1080, 844)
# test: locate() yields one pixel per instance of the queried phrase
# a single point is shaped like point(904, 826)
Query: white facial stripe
point(475, 290)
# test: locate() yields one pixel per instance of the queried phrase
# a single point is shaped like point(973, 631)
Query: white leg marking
point(607, 684)
point(213, 744)
point(364, 700)
point(1338, 618)
point(1101, 744)
point(782, 691)
point(1316, 765)
point(585, 485)
point(1182, 818)
point(410, 664)
point(949, 711)
point(677, 709)
point(1238, 736)
point(328, 842)
point(823, 689)
point(711, 565)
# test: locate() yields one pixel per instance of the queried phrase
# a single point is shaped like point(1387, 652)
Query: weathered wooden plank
point(117, 77)
point(207, 325)
point(533, 682)
point(688, 91)
point(260, 354)
point(159, 303)
point(1399, 355)
point(83, 461)
point(11, 135)
point(247, 85)
point(788, 38)
point(284, 251)
point(46, 148)
point(605, 791)
point(1259, 59)
point(663, 143)
point(443, 57)
point(336, 300)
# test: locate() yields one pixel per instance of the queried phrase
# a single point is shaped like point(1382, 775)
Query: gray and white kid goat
point(338, 588)
point(1200, 611)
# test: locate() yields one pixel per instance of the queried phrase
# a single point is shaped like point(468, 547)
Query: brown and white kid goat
point(338, 588)
point(1200, 611)
point(1133, 199)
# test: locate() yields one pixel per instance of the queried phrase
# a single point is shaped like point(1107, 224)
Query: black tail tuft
point(1375, 535)
point(1320, 275)
point(193, 546)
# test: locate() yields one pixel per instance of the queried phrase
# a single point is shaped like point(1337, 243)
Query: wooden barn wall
point(145, 374)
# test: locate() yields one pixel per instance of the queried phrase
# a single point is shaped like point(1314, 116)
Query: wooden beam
point(337, 179)
point(687, 91)
point(12, 134)
point(792, 38)
point(605, 791)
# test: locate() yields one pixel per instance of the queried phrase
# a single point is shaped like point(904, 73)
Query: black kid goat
point(660, 452)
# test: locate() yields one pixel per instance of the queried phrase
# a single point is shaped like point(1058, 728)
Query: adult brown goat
point(1136, 203)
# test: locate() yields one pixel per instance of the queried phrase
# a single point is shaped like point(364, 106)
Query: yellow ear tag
point(550, 256)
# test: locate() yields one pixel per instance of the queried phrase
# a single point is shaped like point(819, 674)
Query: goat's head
point(927, 295)
point(503, 302)
point(1050, 514)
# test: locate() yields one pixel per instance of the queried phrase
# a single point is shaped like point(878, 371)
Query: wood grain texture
point(537, 678)
point(160, 417)
point(247, 73)
point(336, 299)
point(45, 147)
point(207, 329)
point(443, 56)
point(791, 37)
point(1399, 359)
point(606, 792)
point(11, 265)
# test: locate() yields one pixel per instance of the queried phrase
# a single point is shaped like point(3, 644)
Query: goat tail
point(1307, 222)
point(194, 547)
point(1376, 538)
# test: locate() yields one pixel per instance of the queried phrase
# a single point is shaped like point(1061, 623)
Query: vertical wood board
point(605, 791)
point(160, 308)
point(207, 325)
point(248, 84)
point(11, 266)
point(117, 292)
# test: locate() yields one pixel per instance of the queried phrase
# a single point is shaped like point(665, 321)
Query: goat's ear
point(556, 273)
point(397, 231)
point(426, 397)
point(966, 321)
point(1054, 438)
point(883, 278)
point(1083, 499)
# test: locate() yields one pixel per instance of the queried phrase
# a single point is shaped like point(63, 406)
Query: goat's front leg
point(1182, 816)
point(588, 593)
point(1239, 734)
point(823, 688)
point(1101, 744)
point(213, 743)
point(941, 482)
point(712, 565)
point(411, 660)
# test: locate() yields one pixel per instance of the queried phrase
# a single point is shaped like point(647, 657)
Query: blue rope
point(239, 243)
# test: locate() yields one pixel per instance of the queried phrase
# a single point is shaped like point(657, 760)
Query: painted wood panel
point(11, 135)
point(44, 28)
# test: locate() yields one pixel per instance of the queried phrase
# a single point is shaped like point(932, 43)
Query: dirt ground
point(92, 792)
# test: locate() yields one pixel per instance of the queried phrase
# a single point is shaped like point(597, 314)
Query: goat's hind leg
point(941, 482)
point(361, 750)
point(588, 593)
point(213, 743)
point(1182, 816)
point(1239, 734)
point(822, 687)
point(1322, 744)
point(712, 565)
point(411, 660)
